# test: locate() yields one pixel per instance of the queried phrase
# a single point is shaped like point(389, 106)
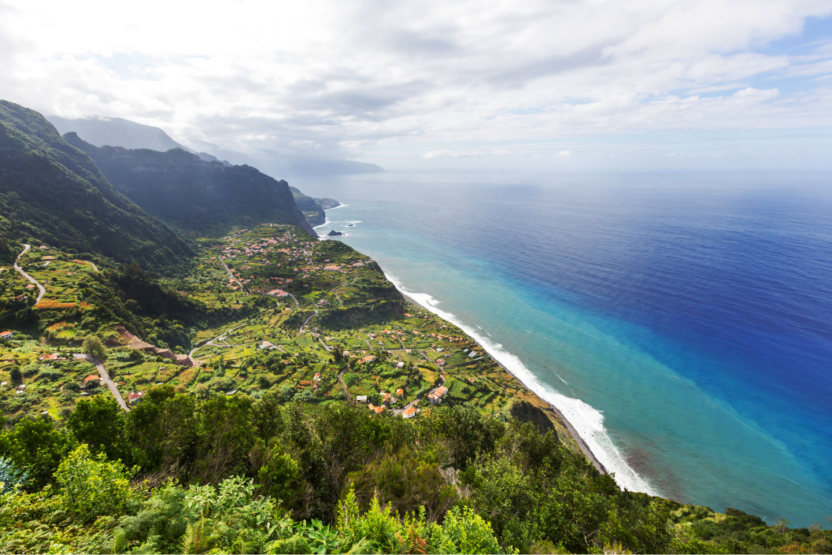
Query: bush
point(92, 486)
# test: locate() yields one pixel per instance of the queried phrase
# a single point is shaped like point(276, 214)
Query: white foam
point(326, 222)
point(587, 421)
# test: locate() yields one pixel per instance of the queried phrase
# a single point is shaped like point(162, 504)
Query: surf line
point(591, 419)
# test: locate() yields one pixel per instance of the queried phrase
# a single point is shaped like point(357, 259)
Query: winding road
point(300, 329)
point(41, 288)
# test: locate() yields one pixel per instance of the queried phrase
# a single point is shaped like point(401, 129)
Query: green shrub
point(92, 486)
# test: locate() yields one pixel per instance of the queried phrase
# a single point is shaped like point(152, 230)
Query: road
point(297, 305)
point(211, 342)
point(105, 377)
point(306, 322)
point(41, 288)
point(243, 289)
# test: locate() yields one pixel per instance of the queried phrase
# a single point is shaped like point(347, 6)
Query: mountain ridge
point(184, 189)
point(54, 193)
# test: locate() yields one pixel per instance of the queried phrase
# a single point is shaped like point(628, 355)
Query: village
point(324, 325)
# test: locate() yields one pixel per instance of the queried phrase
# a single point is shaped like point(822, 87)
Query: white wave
point(587, 421)
point(326, 222)
point(337, 207)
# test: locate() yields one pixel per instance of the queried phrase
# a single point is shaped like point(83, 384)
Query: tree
point(36, 446)
point(99, 423)
point(15, 375)
point(92, 345)
point(92, 485)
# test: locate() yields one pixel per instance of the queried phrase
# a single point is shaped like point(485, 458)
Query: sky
point(445, 85)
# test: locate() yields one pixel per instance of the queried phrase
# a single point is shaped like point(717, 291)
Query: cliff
point(192, 193)
point(51, 192)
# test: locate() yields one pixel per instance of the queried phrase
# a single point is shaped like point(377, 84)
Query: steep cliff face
point(53, 193)
point(192, 193)
point(313, 208)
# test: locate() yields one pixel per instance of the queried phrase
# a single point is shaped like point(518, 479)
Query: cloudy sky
point(559, 84)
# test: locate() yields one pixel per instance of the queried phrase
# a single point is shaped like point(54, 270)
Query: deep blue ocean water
point(682, 323)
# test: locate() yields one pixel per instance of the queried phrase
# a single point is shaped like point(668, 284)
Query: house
point(317, 377)
point(400, 392)
point(53, 356)
point(410, 412)
point(368, 358)
point(437, 394)
point(361, 399)
point(278, 293)
point(400, 365)
point(92, 377)
point(6, 335)
point(385, 397)
point(377, 410)
point(134, 398)
point(266, 345)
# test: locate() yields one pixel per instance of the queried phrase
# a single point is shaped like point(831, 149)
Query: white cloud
point(336, 77)
point(565, 153)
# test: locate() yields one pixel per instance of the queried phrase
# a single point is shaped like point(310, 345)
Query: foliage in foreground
point(234, 475)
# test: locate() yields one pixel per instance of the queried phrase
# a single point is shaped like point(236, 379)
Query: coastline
point(569, 427)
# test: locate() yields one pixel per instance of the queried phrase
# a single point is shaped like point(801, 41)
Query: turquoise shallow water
point(686, 332)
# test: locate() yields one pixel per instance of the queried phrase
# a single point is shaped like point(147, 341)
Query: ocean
point(682, 323)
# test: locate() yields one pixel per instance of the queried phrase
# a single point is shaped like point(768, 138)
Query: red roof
point(91, 378)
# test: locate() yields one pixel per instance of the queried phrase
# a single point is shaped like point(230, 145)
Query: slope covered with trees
point(234, 475)
point(51, 192)
point(192, 193)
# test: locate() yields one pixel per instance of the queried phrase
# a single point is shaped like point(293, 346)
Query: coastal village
point(322, 324)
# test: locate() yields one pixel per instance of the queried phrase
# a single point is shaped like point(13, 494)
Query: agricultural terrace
point(312, 321)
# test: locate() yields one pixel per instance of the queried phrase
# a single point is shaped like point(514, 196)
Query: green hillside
point(192, 193)
point(52, 193)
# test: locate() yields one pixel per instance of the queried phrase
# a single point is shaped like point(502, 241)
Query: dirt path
point(41, 288)
point(105, 377)
point(341, 381)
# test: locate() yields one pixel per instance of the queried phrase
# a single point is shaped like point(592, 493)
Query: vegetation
point(192, 193)
point(318, 410)
point(52, 193)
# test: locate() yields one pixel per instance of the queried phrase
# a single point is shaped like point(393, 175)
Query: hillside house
point(436, 396)
point(6, 335)
point(410, 412)
point(134, 398)
point(361, 399)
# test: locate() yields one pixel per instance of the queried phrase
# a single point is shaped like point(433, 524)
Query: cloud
point(371, 78)
point(564, 153)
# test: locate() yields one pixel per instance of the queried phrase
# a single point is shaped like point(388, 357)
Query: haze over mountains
point(196, 194)
point(105, 131)
point(51, 192)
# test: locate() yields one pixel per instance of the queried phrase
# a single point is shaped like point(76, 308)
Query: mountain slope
point(101, 131)
point(53, 193)
point(313, 208)
point(193, 193)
